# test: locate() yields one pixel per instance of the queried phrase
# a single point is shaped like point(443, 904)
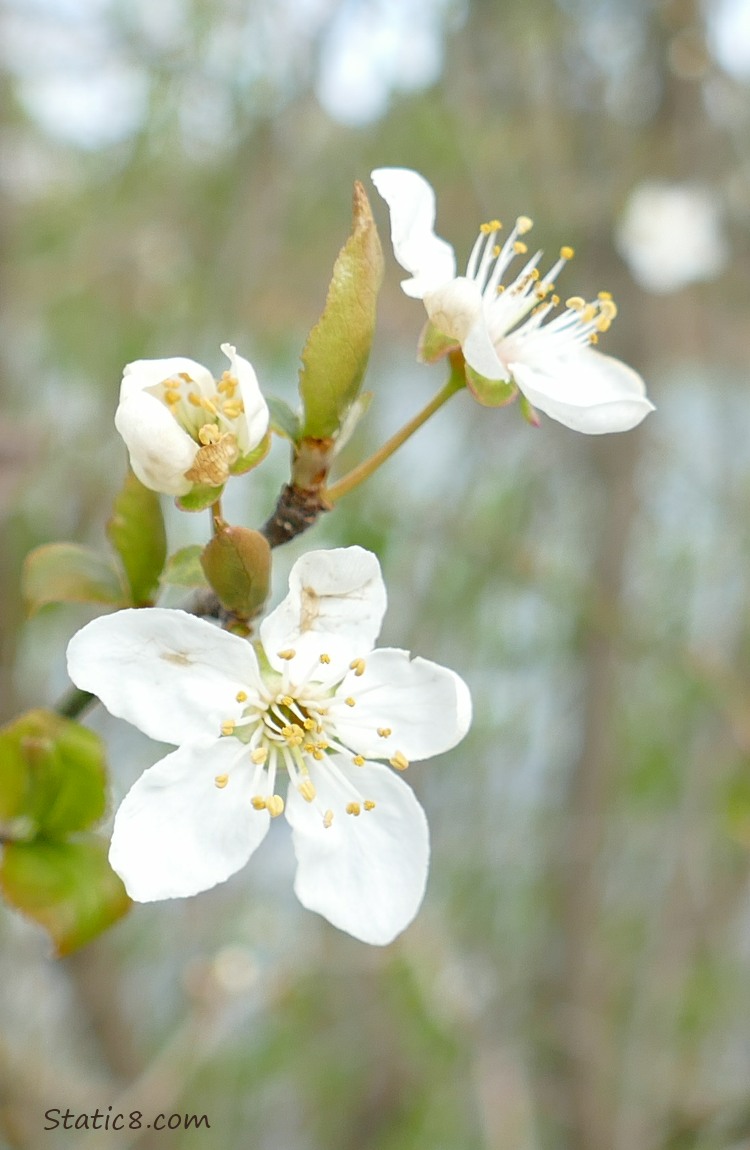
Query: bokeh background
point(176, 174)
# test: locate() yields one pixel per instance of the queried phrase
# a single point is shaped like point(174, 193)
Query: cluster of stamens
point(530, 294)
point(291, 723)
point(209, 420)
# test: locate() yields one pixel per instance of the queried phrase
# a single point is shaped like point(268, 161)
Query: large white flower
point(507, 332)
point(311, 700)
point(182, 428)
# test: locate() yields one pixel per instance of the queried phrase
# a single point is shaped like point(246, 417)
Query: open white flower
point(182, 428)
point(311, 700)
point(507, 332)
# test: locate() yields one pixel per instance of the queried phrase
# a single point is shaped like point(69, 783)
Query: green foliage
point(335, 356)
point(136, 531)
point(199, 498)
point(253, 458)
point(71, 573)
point(184, 569)
point(284, 421)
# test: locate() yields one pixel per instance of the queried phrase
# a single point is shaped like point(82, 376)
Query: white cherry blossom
point(508, 332)
point(312, 701)
point(182, 428)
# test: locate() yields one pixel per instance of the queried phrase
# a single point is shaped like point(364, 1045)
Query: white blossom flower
point(670, 235)
point(507, 332)
point(311, 700)
point(183, 428)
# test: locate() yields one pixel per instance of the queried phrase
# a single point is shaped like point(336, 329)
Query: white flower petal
point(588, 392)
point(143, 373)
point(160, 450)
point(176, 833)
point(411, 202)
point(253, 424)
point(335, 606)
point(426, 707)
point(173, 676)
point(366, 874)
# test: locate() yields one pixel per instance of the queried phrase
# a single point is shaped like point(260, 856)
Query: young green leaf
point(71, 573)
point(136, 531)
point(183, 569)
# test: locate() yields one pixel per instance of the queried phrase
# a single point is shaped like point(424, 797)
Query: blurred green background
point(177, 174)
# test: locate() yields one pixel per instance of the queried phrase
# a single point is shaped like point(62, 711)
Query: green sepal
point(284, 421)
point(71, 573)
point(433, 344)
point(335, 356)
point(52, 776)
point(199, 497)
point(136, 531)
point(237, 564)
point(69, 888)
point(527, 411)
point(183, 569)
point(253, 458)
point(490, 392)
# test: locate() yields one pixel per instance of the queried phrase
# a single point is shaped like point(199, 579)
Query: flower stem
point(365, 469)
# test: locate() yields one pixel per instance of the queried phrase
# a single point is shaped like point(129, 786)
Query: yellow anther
point(241, 696)
point(310, 724)
point(385, 732)
point(322, 745)
point(233, 408)
point(275, 806)
point(286, 655)
point(317, 754)
point(567, 253)
point(209, 433)
point(286, 700)
point(593, 338)
point(308, 748)
point(227, 385)
point(608, 307)
point(555, 300)
point(534, 273)
point(369, 805)
point(185, 377)
point(604, 323)
point(575, 302)
point(589, 313)
point(307, 790)
point(399, 761)
point(350, 702)
point(325, 658)
point(258, 802)
point(227, 727)
point(490, 227)
point(604, 295)
point(195, 399)
point(358, 666)
point(358, 760)
point(221, 781)
point(353, 809)
point(520, 248)
point(496, 251)
point(207, 405)
point(259, 755)
point(524, 225)
point(327, 819)
point(171, 396)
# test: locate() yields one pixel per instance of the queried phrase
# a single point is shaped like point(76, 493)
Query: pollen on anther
point(350, 702)
point(567, 253)
point(227, 727)
point(221, 781)
point(399, 761)
point(369, 805)
point(307, 790)
point(258, 802)
point(241, 696)
point(576, 302)
point(353, 809)
point(275, 806)
point(287, 655)
point(327, 819)
point(286, 700)
point(358, 760)
point(520, 248)
point(385, 732)
point(524, 224)
point(358, 666)
point(259, 755)
point(325, 658)
point(490, 227)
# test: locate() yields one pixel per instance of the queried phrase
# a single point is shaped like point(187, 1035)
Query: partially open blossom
point(182, 428)
point(311, 701)
point(512, 332)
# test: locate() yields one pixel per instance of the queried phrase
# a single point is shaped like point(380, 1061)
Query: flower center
point(292, 726)
point(211, 420)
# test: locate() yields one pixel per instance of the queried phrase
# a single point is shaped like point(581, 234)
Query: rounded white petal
point(171, 675)
point(253, 424)
point(160, 450)
point(143, 373)
point(588, 392)
point(366, 874)
point(335, 606)
point(411, 202)
point(176, 833)
point(426, 707)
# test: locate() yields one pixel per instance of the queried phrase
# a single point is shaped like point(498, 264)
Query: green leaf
point(68, 888)
point(335, 356)
point(199, 498)
point(52, 776)
point(71, 573)
point(433, 345)
point(237, 563)
point(490, 392)
point(183, 569)
point(136, 531)
point(284, 421)
point(253, 458)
